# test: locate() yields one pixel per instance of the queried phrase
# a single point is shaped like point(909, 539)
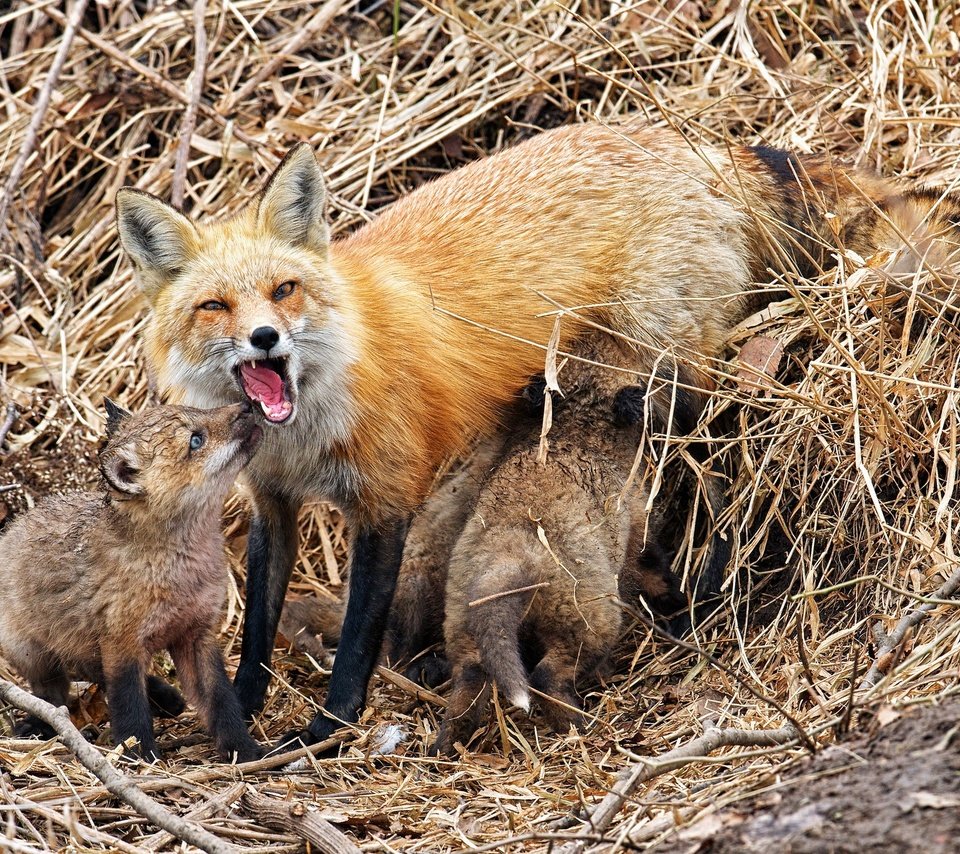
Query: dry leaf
point(887, 715)
point(759, 360)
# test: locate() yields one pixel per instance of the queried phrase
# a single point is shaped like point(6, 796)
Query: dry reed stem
point(177, 184)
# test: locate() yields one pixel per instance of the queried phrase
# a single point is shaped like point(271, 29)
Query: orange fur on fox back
point(427, 321)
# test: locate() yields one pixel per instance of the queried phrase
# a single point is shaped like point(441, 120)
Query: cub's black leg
point(127, 703)
point(271, 554)
point(200, 667)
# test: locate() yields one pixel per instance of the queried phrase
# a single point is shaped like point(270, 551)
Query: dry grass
point(844, 498)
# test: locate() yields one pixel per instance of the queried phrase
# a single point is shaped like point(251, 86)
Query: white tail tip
point(521, 700)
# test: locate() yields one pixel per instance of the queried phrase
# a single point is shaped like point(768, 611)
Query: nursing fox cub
point(376, 357)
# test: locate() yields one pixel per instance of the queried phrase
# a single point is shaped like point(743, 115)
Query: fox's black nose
point(264, 337)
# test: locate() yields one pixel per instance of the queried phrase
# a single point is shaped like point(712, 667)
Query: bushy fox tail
point(803, 208)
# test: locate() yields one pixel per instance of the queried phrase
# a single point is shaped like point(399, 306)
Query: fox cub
point(533, 584)
point(94, 583)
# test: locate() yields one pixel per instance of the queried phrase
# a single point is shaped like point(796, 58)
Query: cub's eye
point(213, 305)
point(196, 441)
point(284, 290)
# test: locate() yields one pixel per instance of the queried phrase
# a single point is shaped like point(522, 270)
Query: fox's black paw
point(246, 750)
point(33, 727)
point(430, 671)
point(165, 700)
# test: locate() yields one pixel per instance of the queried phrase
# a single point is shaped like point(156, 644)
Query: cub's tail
point(495, 617)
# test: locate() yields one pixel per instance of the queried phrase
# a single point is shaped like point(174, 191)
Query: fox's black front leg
point(271, 554)
point(373, 577)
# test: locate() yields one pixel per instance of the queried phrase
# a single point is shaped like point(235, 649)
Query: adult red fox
point(375, 357)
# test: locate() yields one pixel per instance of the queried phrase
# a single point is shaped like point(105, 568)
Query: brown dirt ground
point(897, 789)
point(63, 458)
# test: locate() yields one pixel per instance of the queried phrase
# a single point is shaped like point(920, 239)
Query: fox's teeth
point(253, 364)
point(265, 408)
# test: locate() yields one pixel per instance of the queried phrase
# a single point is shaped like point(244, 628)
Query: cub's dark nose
point(264, 337)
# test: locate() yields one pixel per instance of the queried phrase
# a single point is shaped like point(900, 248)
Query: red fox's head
point(245, 307)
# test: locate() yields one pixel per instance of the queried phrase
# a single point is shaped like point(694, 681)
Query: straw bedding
point(842, 467)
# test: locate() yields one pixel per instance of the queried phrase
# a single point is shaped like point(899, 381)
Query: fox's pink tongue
point(266, 387)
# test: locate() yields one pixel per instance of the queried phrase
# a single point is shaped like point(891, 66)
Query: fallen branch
point(40, 108)
point(295, 817)
point(713, 739)
point(190, 116)
point(911, 619)
point(119, 785)
point(207, 809)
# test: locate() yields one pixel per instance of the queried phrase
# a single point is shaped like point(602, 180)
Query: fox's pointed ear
point(157, 237)
point(115, 414)
point(120, 468)
point(294, 202)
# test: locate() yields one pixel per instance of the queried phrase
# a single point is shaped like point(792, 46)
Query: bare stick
point(293, 816)
point(190, 116)
point(713, 739)
point(40, 108)
point(312, 28)
point(946, 590)
point(8, 421)
point(117, 784)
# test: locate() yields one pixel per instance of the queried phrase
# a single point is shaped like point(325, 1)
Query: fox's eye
point(284, 290)
point(213, 305)
point(196, 441)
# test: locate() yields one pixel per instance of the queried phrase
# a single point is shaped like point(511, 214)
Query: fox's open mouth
point(265, 381)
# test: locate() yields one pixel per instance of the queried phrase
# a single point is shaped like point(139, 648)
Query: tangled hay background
point(844, 495)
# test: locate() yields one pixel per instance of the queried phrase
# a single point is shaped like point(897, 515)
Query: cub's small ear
point(115, 414)
point(157, 237)
point(294, 202)
point(533, 394)
point(120, 468)
point(628, 405)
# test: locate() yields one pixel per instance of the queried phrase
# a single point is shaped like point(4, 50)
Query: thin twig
point(155, 79)
point(40, 108)
point(190, 116)
point(945, 591)
point(208, 808)
point(8, 421)
point(119, 785)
